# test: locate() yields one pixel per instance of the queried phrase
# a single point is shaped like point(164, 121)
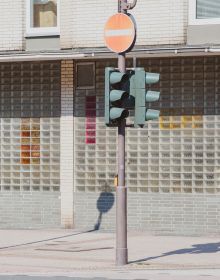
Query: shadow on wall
point(104, 204)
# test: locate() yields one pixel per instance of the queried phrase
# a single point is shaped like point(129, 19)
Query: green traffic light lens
point(118, 113)
point(117, 77)
point(152, 114)
point(152, 78)
point(118, 95)
point(152, 96)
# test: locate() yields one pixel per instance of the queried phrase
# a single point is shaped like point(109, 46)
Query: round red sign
point(120, 32)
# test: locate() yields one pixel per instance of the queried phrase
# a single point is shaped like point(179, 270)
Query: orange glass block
point(197, 125)
point(25, 133)
point(25, 154)
point(25, 147)
point(25, 161)
point(197, 118)
point(175, 125)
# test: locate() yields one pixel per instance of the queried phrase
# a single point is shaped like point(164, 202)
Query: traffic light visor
point(152, 114)
point(117, 95)
point(118, 113)
point(152, 78)
point(152, 96)
point(117, 77)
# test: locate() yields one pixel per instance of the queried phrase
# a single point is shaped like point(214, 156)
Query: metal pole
point(121, 190)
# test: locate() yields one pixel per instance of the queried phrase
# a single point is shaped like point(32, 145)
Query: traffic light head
point(116, 94)
point(152, 78)
point(142, 113)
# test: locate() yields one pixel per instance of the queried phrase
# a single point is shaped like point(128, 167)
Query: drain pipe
point(102, 54)
point(41, 57)
point(214, 50)
point(181, 50)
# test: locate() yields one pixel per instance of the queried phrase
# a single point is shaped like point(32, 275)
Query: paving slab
point(92, 253)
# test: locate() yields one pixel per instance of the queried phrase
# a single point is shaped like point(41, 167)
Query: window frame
point(41, 31)
point(192, 16)
point(76, 75)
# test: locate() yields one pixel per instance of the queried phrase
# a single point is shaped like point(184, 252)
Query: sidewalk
point(63, 252)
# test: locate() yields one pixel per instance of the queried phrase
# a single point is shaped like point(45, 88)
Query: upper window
point(204, 12)
point(42, 17)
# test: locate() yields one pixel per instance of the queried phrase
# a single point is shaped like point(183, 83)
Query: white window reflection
point(206, 9)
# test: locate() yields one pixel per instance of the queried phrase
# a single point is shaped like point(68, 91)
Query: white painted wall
point(11, 24)
point(159, 22)
point(66, 144)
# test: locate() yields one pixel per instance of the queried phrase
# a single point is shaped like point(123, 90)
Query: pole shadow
point(45, 240)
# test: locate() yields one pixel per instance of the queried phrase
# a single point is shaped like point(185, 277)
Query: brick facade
point(26, 210)
point(173, 214)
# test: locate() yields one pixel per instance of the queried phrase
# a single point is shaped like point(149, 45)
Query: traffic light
point(116, 96)
point(141, 79)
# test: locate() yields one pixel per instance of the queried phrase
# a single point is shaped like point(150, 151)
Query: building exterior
point(58, 160)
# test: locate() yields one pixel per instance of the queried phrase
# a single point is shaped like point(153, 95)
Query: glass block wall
point(178, 153)
point(30, 126)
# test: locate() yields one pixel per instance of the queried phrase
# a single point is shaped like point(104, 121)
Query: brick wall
point(158, 22)
point(11, 24)
point(23, 210)
point(174, 214)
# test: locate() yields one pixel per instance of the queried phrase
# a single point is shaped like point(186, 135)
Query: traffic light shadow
point(104, 204)
point(195, 249)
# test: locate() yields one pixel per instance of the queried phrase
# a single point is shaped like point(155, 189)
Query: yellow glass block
point(165, 122)
point(197, 122)
point(197, 118)
point(186, 118)
point(197, 125)
point(25, 127)
point(186, 121)
point(175, 125)
point(35, 127)
point(164, 125)
point(165, 119)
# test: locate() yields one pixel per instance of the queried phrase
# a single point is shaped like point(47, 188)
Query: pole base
point(121, 256)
